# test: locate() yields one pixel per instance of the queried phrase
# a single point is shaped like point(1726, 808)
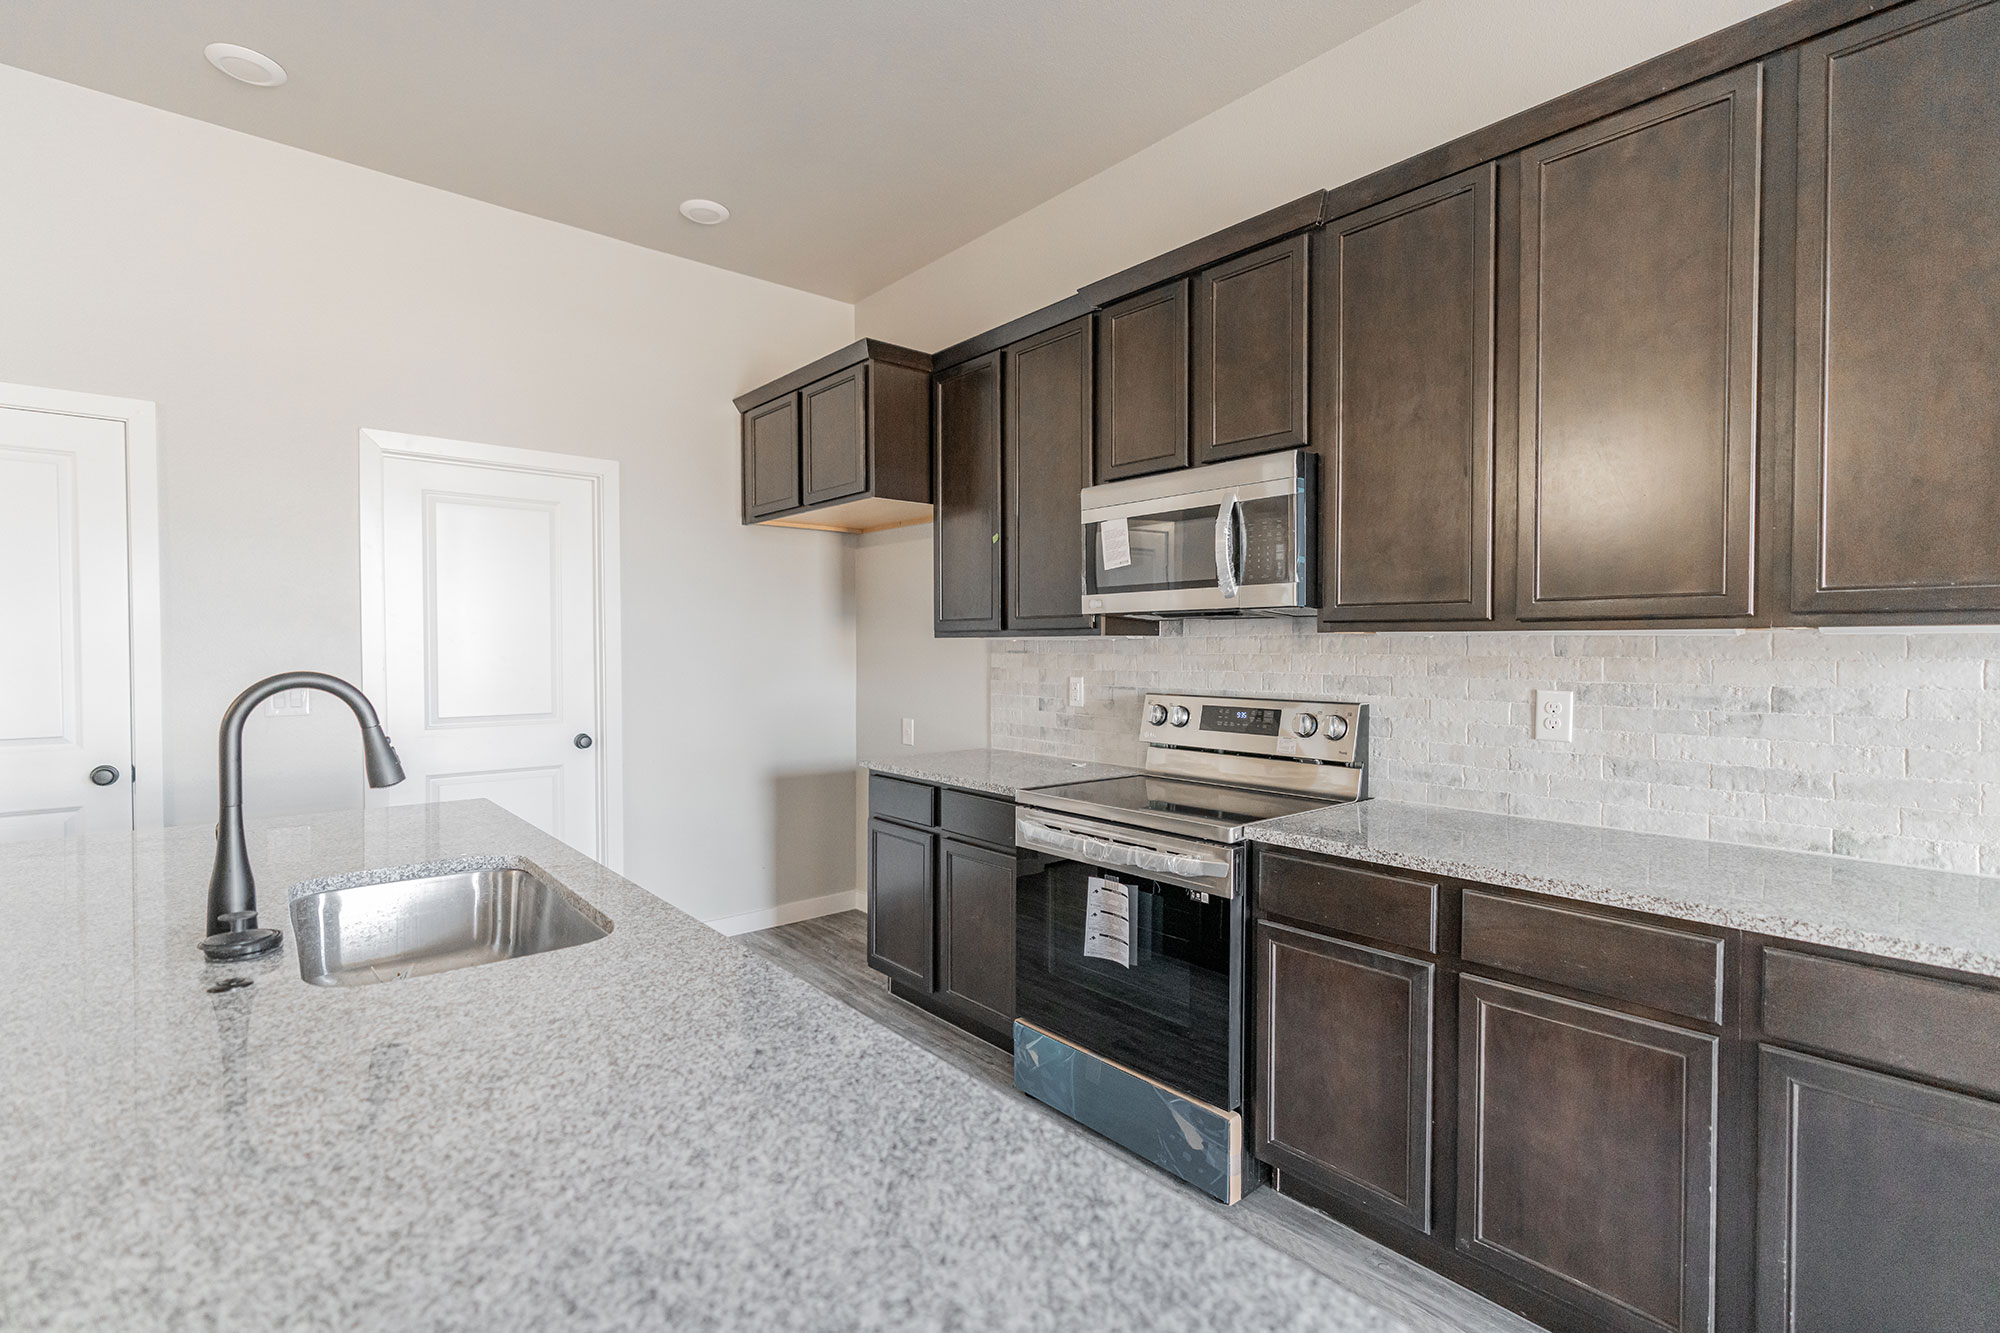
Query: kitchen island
point(656, 1129)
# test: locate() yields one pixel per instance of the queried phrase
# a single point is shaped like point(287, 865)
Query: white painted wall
point(1420, 78)
point(273, 303)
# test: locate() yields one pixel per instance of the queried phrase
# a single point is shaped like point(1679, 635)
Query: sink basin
point(405, 923)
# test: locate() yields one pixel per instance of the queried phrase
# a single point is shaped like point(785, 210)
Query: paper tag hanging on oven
point(1107, 922)
point(1114, 543)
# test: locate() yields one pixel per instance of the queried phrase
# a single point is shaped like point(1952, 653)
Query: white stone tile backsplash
point(1879, 746)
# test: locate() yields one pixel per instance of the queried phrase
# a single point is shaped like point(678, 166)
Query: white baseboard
point(786, 913)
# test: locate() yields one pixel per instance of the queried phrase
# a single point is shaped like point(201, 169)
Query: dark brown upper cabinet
point(771, 457)
point(1142, 387)
point(841, 444)
point(1403, 307)
point(1587, 1164)
point(1638, 306)
point(1897, 471)
point(1047, 434)
point(833, 420)
point(966, 538)
point(1250, 353)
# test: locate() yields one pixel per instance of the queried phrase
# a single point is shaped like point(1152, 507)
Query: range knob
point(1156, 715)
point(1336, 726)
point(1305, 724)
point(1180, 715)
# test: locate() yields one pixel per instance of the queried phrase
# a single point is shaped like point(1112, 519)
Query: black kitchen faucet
point(230, 927)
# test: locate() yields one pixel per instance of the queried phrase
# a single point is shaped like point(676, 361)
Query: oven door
point(1194, 541)
point(1173, 1010)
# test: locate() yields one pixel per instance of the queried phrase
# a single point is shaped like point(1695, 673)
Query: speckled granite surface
point(1923, 916)
point(653, 1130)
point(1002, 772)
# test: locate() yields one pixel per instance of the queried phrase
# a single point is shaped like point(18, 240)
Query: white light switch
point(1076, 691)
point(290, 703)
point(909, 731)
point(1555, 715)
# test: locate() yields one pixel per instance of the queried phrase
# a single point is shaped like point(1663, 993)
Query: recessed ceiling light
point(705, 211)
point(244, 65)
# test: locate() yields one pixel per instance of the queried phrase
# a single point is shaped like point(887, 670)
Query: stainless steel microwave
point(1229, 537)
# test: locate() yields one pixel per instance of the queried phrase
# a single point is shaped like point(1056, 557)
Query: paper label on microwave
point(1107, 922)
point(1114, 543)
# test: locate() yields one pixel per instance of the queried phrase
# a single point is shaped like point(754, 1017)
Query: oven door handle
point(1102, 851)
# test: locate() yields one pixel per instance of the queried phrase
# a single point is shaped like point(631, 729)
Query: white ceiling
point(854, 140)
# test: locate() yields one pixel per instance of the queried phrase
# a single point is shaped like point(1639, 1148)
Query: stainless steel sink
point(433, 919)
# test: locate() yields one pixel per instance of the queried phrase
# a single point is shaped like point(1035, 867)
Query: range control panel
point(1281, 728)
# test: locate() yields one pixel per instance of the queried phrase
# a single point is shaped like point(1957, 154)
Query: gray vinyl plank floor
point(830, 952)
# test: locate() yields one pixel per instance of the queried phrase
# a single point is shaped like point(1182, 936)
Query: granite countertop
point(1922, 916)
point(1002, 772)
point(653, 1130)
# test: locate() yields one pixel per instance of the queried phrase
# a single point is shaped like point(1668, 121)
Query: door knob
point(583, 741)
point(104, 775)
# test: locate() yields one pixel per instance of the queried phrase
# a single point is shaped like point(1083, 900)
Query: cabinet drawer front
point(893, 798)
point(980, 818)
point(1391, 908)
point(1667, 969)
point(1939, 1029)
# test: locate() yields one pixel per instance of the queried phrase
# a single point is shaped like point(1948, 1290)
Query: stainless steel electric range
point(1131, 935)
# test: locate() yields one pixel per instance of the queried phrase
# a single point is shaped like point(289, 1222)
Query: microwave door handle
point(1225, 545)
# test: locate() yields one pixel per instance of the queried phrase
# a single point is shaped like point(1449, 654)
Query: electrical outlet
point(909, 731)
point(1555, 715)
point(290, 703)
point(1076, 691)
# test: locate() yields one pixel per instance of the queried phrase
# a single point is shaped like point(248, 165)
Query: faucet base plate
point(234, 944)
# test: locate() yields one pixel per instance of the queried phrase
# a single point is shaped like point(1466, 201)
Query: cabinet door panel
point(1343, 1046)
point(1250, 353)
point(1879, 1203)
point(1142, 383)
point(1587, 1155)
point(966, 525)
point(901, 903)
point(1049, 407)
point(771, 457)
point(976, 941)
point(834, 421)
point(1638, 359)
point(1898, 464)
point(1404, 386)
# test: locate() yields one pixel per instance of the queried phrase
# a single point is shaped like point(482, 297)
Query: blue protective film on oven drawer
point(1191, 1139)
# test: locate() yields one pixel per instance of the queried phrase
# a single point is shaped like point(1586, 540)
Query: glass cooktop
point(1205, 809)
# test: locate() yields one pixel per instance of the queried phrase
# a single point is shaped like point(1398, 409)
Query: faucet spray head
point(384, 768)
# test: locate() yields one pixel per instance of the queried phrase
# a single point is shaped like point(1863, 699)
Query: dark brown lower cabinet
point(1587, 1155)
point(1344, 1042)
point(1880, 1202)
point(976, 930)
point(941, 902)
point(901, 897)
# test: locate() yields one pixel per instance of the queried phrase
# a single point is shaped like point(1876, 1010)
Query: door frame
point(140, 420)
point(602, 474)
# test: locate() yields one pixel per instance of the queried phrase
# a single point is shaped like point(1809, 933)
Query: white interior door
point(491, 640)
point(65, 626)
